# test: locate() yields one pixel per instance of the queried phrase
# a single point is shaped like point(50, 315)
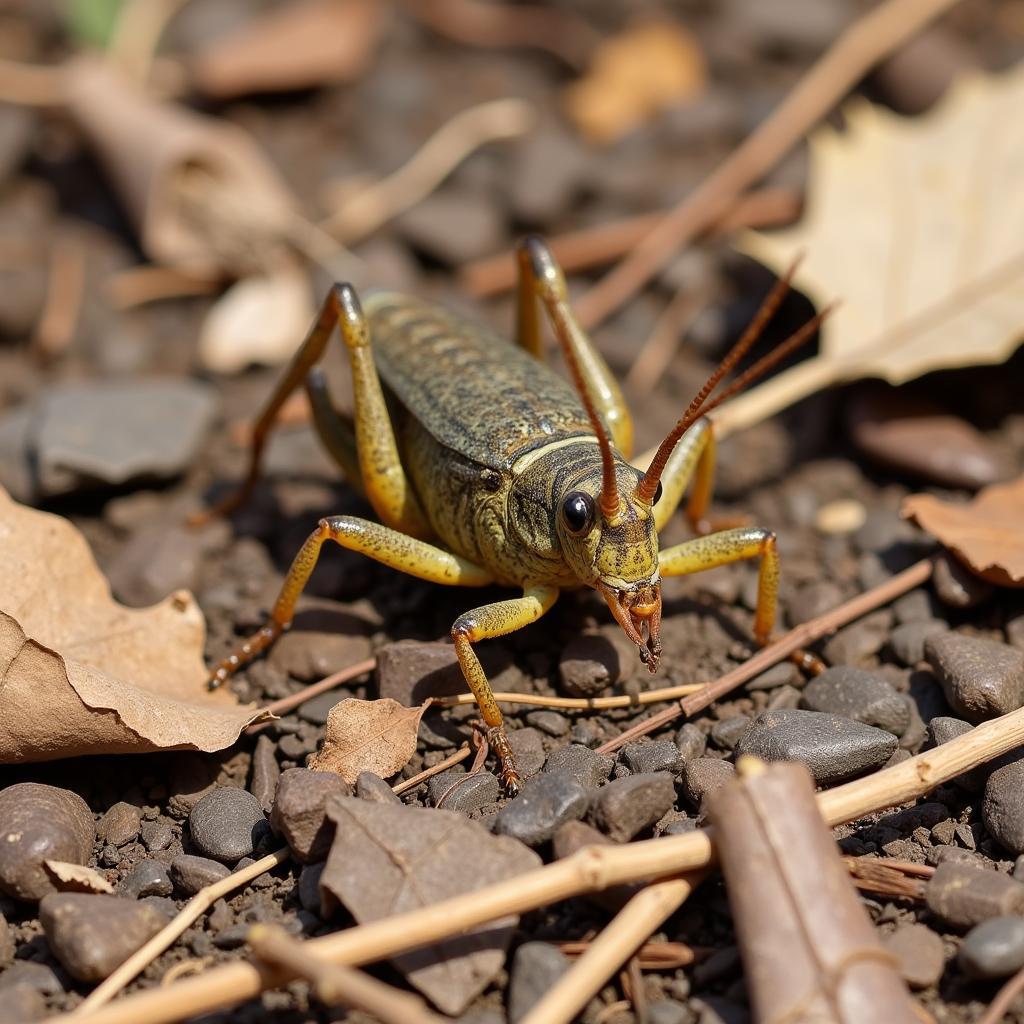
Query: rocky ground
point(908, 676)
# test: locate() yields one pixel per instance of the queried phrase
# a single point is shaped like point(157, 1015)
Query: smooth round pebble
point(223, 824)
point(921, 954)
point(994, 949)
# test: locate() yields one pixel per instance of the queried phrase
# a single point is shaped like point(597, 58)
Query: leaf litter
point(387, 859)
point(81, 673)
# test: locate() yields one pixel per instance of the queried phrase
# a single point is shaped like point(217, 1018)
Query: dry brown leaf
point(295, 46)
point(633, 76)
point(389, 858)
point(986, 534)
point(376, 736)
point(80, 673)
point(916, 225)
point(76, 877)
point(257, 320)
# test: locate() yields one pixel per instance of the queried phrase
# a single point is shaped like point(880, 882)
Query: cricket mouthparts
point(638, 612)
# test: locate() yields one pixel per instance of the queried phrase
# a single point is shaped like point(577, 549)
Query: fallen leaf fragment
point(376, 736)
point(387, 859)
point(82, 674)
point(633, 76)
point(916, 226)
point(986, 534)
point(295, 46)
point(76, 877)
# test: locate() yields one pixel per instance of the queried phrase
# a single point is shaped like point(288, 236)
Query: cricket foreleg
point(391, 548)
point(492, 620)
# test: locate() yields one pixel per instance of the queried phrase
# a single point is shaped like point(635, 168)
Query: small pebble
point(993, 949)
point(956, 585)
point(372, 787)
point(920, 952)
point(907, 640)
point(410, 672)
point(981, 678)
point(536, 966)
point(6, 943)
point(844, 515)
point(298, 813)
point(1003, 807)
point(572, 837)
point(726, 733)
point(223, 824)
point(783, 674)
point(589, 664)
point(457, 791)
point(917, 606)
point(704, 775)
point(190, 874)
point(833, 748)
point(92, 934)
point(38, 823)
point(627, 806)
point(691, 742)
point(546, 802)
point(550, 722)
point(265, 772)
point(528, 746)
point(652, 756)
point(862, 696)
point(309, 888)
point(21, 1003)
point(962, 896)
point(812, 600)
point(120, 825)
point(41, 978)
point(157, 835)
point(854, 643)
point(147, 878)
point(587, 766)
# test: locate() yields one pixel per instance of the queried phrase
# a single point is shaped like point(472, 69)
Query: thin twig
point(460, 755)
point(801, 636)
point(581, 703)
point(603, 243)
point(872, 37)
point(619, 940)
point(170, 933)
point(590, 870)
point(64, 293)
point(1000, 1006)
point(136, 286)
point(361, 214)
point(651, 956)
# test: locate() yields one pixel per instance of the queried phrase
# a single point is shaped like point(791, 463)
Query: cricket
point(485, 467)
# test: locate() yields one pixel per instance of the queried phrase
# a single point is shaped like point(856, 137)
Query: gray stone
point(550, 722)
point(157, 560)
point(812, 600)
point(725, 734)
point(147, 878)
point(854, 643)
point(21, 1003)
point(691, 742)
point(589, 664)
point(587, 766)
point(834, 749)
point(457, 791)
point(38, 823)
point(574, 836)
point(190, 874)
point(224, 824)
point(652, 756)
point(298, 813)
point(120, 825)
point(963, 896)
point(372, 787)
point(546, 802)
point(39, 977)
point(309, 888)
point(313, 649)
point(536, 966)
point(454, 225)
point(917, 606)
point(528, 747)
point(993, 949)
point(920, 953)
point(783, 674)
point(316, 711)
point(265, 772)
point(862, 696)
point(704, 775)
point(410, 672)
point(956, 585)
point(1003, 807)
point(981, 678)
point(157, 834)
point(907, 640)
point(627, 806)
point(92, 934)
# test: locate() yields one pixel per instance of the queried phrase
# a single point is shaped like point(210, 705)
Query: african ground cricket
point(494, 470)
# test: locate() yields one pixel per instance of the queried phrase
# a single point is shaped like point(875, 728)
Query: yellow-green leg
point(492, 620)
point(394, 549)
point(733, 546)
point(540, 277)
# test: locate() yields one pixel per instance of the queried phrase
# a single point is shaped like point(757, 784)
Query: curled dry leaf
point(257, 320)
point(76, 877)
point(295, 46)
point(80, 673)
point(388, 858)
point(376, 736)
point(917, 226)
point(986, 534)
point(634, 75)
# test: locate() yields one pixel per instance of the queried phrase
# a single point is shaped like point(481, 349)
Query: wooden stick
point(168, 935)
point(460, 755)
point(590, 870)
point(872, 37)
point(801, 636)
point(619, 940)
point(1000, 1006)
point(582, 703)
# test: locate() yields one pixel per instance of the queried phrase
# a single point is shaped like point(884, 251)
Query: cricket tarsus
point(537, 470)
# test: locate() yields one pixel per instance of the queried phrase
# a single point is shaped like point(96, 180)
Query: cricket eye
point(578, 513)
point(657, 494)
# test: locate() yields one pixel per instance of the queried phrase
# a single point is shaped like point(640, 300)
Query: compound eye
point(578, 513)
point(657, 494)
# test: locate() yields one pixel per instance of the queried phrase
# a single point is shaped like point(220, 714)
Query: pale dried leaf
point(76, 877)
point(986, 534)
point(388, 859)
point(916, 226)
point(376, 736)
point(633, 76)
point(295, 46)
point(257, 320)
point(80, 673)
